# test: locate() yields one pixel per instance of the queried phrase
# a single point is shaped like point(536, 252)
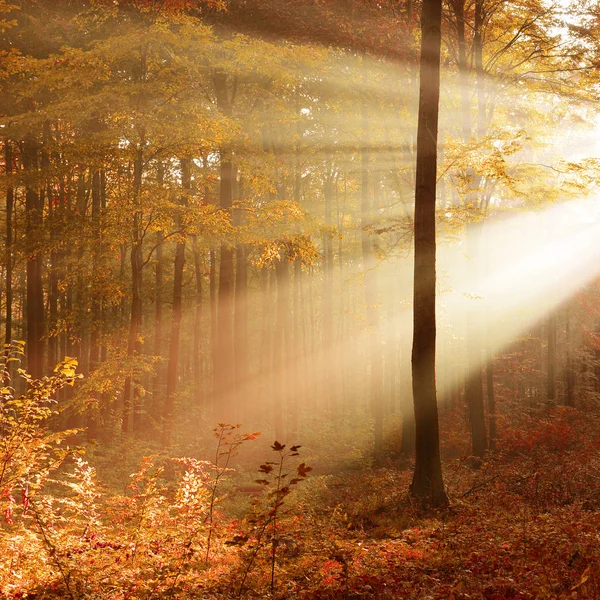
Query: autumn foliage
point(208, 217)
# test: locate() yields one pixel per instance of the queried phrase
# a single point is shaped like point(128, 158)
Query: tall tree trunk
point(45, 198)
point(78, 312)
point(280, 345)
point(176, 317)
point(479, 70)
point(96, 307)
point(132, 393)
point(463, 69)
point(35, 294)
point(297, 367)
point(10, 198)
point(481, 125)
point(327, 348)
point(158, 306)
point(370, 285)
point(298, 362)
point(551, 363)
point(265, 371)
point(224, 372)
point(240, 323)
point(474, 382)
point(427, 484)
point(157, 384)
point(474, 377)
point(197, 342)
point(491, 398)
point(569, 370)
point(214, 333)
point(53, 280)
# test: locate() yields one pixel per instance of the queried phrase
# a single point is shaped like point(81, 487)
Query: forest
point(300, 299)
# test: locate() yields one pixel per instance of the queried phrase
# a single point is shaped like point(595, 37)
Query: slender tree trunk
point(53, 291)
point(134, 345)
point(214, 335)
point(327, 348)
point(176, 314)
point(10, 198)
point(479, 70)
point(240, 323)
point(474, 380)
point(370, 286)
point(298, 372)
point(427, 484)
point(551, 358)
point(121, 309)
point(280, 344)
point(78, 311)
point(265, 370)
point(569, 370)
point(297, 362)
point(157, 384)
point(46, 197)
point(463, 69)
point(224, 372)
point(491, 398)
point(197, 342)
point(96, 308)
point(35, 294)
point(481, 126)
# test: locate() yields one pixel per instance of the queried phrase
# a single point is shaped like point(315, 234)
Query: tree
point(427, 484)
point(173, 366)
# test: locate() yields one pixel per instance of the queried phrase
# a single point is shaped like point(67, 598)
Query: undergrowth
point(523, 525)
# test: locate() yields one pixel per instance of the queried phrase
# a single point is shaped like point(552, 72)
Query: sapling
point(228, 444)
point(266, 517)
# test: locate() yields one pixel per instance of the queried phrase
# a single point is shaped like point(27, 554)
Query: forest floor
point(522, 524)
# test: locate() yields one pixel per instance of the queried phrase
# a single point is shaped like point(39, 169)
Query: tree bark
point(224, 372)
point(463, 70)
point(134, 345)
point(427, 484)
point(240, 323)
point(569, 370)
point(327, 348)
point(370, 287)
point(35, 294)
point(491, 398)
point(214, 334)
point(10, 198)
point(176, 314)
point(280, 345)
point(197, 342)
point(474, 377)
point(474, 381)
point(96, 323)
point(551, 358)
point(157, 384)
